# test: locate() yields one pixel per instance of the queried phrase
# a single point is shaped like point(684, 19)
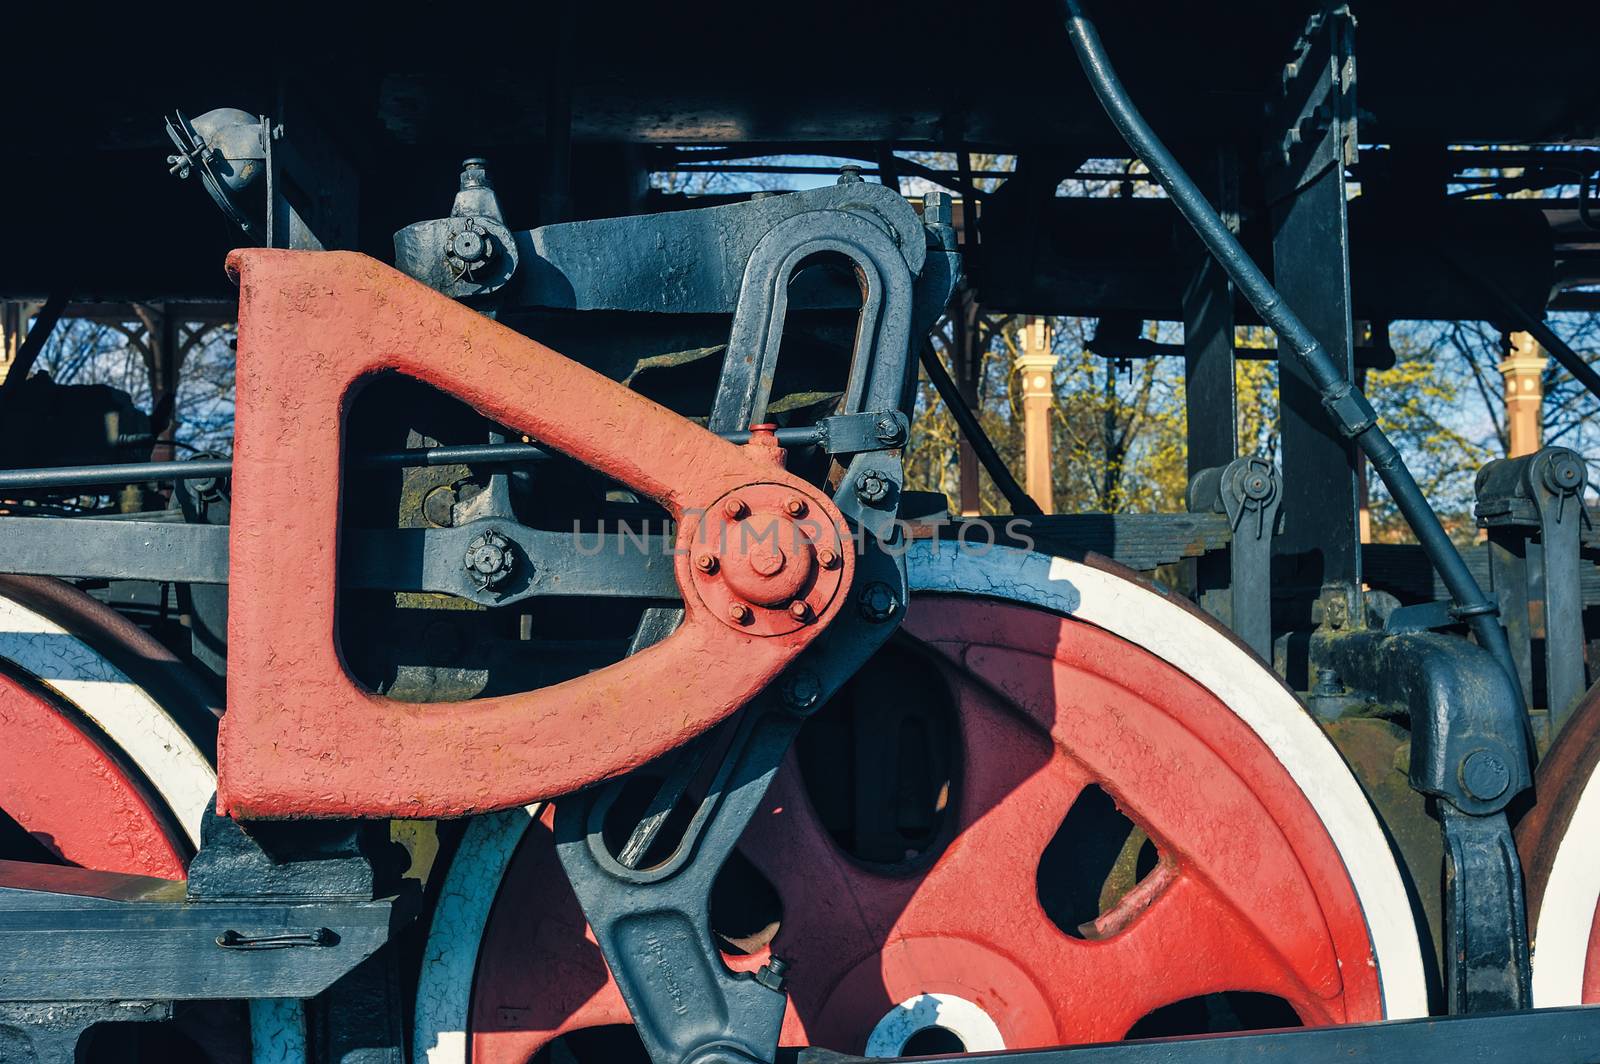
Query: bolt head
point(467, 246)
point(878, 602)
point(888, 430)
point(794, 506)
point(1563, 473)
point(1485, 775)
point(706, 563)
point(802, 690)
point(872, 486)
point(490, 558)
point(850, 174)
point(734, 509)
point(827, 557)
point(800, 612)
point(739, 613)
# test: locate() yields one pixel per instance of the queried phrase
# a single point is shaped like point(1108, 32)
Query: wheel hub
point(934, 1023)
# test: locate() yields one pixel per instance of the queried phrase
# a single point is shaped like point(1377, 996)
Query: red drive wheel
point(1232, 899)
point(1559, 840)
point(103, 744)
point(69, 797)
point(104, 765)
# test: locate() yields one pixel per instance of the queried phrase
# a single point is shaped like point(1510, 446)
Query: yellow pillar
point(1036, 367)
point(1523, 370)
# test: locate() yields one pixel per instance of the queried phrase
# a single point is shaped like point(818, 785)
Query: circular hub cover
point(767, 559)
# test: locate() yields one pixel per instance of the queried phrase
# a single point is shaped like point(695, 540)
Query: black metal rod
point(466, 454)
point(1342, 399)
point(1021, 502)
point(1536, 327)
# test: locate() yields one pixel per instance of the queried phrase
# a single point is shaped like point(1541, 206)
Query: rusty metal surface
point(301, 738)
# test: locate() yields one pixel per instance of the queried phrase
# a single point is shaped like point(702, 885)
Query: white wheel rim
point(1143, 617)
point(1566, 912)
point(182, 776)
point(139, 727)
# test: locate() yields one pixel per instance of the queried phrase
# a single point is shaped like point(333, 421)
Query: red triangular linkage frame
point(300, 738)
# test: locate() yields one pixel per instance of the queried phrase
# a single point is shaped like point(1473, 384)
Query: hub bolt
point(827, 558)
point(706, 563)
point(872, 486)
point(739, 613)
point(800, 612)
point(735, 509)
point(878, 602)
point(794, 506)
point(490, 559)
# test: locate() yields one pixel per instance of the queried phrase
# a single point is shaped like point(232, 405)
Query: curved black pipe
point(1349, 408)
point(1022, 503)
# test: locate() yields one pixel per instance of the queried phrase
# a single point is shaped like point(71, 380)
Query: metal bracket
point(40, 1032)
point(1318, 97)
point(470, 254)
point(1249, 491)
point(652, 922)
point(1470, 750)
point(1542, 491)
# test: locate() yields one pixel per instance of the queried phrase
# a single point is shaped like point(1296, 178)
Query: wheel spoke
point(1184, 942)
point(1195, 804)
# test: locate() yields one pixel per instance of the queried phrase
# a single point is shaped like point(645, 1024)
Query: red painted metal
point(1250, 893)
point(750, 552)
point(300, 737)
point(63, 785)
